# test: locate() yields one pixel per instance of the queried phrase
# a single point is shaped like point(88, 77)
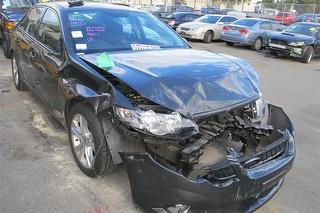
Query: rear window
point(283, 14)
point(246, 22)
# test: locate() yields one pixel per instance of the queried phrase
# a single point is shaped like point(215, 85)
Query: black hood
point(185, 80)
point(292, 37)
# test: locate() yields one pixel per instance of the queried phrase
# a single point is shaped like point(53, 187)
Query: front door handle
point(32, 54)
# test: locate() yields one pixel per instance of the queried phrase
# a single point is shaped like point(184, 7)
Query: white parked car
point(206, 28)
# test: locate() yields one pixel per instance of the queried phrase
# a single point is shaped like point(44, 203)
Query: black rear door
point(27, 58)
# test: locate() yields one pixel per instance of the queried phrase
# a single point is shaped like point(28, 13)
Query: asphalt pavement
point(38, 173)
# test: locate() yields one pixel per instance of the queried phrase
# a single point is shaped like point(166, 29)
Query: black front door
point(49, 37)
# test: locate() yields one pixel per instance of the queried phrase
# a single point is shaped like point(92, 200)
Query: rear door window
point(49, 31)
point(266, 25)
point(31, 22)
point(246, 22)
point(276, 27)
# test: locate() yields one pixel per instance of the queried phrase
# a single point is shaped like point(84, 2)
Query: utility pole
point(242, 5)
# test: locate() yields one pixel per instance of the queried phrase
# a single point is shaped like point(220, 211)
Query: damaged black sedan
point(190, 126)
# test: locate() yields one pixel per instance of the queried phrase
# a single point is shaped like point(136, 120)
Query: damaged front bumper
point(243, 184)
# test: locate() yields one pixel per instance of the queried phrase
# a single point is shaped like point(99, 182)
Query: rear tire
point(16, 74)
point(257, 45)
point(229, 43)
point(308, 54)
point(208, 37)
point(101, 162)
point(6, 48)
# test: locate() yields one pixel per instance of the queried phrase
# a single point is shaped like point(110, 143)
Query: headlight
point(296, 43)
point(194, 28)
point(155, 123)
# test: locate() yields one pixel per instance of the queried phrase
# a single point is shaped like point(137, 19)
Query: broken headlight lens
point(156, 123)
point(296, 43)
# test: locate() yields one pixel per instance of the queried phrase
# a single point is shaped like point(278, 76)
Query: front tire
point(229, 43)
point(308, 54)
point(87, 141)
point(16, 74)
point(208, 37)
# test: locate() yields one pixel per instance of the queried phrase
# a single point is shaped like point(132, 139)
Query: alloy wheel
point(15, 71)
point(82, 141)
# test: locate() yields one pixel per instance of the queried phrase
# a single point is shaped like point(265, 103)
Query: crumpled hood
point(292, 37)
point(185, 80)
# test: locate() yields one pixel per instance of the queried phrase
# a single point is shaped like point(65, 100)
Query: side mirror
point(220, 23)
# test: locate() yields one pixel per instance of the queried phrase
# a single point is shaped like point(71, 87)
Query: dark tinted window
point(32, 20)
point(49, 31)
point(228, 19)
point(191, 17)
point(246, 22)
point(266, 25)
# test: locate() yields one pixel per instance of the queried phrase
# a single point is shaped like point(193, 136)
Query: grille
point(278, 42)
point(185, 28)
point(228, 172)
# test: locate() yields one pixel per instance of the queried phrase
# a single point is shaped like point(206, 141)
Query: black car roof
point(88, 5)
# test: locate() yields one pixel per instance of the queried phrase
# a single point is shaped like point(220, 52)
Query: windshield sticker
point(76, 34)
point(313, 29)
point(76, 22)
point(81, 46)
point(94, 32)
point(144, 47)
point(104, 61)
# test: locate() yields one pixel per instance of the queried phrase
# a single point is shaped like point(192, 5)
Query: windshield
point(17, 4)
point(208, 19)
point(304, 29)
point(246, 22)
point(115, 30)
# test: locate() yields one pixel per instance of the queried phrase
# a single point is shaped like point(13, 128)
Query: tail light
point(225, 29)
point(171, 22)
point(9, 25)
point(244, 31)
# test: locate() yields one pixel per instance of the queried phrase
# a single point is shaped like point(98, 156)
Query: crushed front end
point(235, 162)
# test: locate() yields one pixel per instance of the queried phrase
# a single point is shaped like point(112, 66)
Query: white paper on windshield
point(76, 34)
point(144, 47)
point(81, 46)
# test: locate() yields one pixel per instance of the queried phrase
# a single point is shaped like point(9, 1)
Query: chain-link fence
point(279, 11)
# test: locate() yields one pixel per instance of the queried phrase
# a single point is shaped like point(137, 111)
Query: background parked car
point(180, 17)
point(308, 17)
point(225, 11)
point(11, 12)
point(300, 40)
point(162, 15)
point(210, 10)
point(249, 31)
point(285, 18)
point(206, 28)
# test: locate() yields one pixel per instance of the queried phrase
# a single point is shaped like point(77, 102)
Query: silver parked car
point(206, 28)
point(250, 31)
